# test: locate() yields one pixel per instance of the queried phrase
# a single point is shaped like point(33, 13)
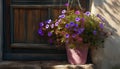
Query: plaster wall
point(109, 56)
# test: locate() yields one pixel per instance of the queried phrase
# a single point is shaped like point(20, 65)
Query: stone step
point(42, 65)
point(68, 66)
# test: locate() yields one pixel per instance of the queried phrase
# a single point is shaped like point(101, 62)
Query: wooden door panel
point(19, 32)
point(26, 23)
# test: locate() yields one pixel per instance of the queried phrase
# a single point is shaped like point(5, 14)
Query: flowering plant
point(74, 27)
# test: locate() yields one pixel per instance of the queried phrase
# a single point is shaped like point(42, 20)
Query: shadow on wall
point(110, 8)
point(112, 49)
point(110, 54)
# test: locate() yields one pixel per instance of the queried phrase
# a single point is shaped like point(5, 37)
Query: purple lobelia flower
point(80, 30)
point(47, 26)
point(72, 24)
point(101, 25)
point(56, 24)
point(75, 29)
point(41, 24)
point(77, 19)
point(76, 25)
point(94, 32)
point(87, 13)
point(59, 20)
point(49, 34)
point(73, 35)
point(77, 12)
point(67, 26)
point(67, 4)
point(49, 21)
point(40, 32)
point(62, 16)
point(67, 35)
point(52, 25)
point(83, 20)
point(63, 11)
point(98, 15)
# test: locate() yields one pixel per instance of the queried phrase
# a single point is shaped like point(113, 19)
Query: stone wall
point(109, 56)
point(1, 30)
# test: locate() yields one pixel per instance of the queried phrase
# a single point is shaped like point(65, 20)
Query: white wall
point(110, 10)
point(1, 29)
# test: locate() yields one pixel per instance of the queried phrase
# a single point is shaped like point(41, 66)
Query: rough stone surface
point(41, 65)
point(109, 56)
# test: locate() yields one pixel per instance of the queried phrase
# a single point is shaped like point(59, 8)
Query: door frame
point(7, 52)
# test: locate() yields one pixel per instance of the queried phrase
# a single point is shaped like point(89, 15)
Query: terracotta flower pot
point(77, 56)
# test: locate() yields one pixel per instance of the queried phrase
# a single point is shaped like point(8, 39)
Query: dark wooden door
point(21, 22)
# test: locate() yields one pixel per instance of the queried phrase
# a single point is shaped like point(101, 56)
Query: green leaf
point(91, 23)
point(72, 46)
point(63, 39)
point(59, 27)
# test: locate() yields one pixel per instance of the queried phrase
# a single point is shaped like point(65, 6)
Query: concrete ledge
point(41, 65)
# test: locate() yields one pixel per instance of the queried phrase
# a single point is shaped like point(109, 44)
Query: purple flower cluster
point(77, 19)
point(72, 24)
point(62, 16)
point(52, 25)
point(77, 12)
point(49, 21)
point(94, 32)
point(41, 24)
point(49, 34)
point(40, 32)
point(87, 13)
point(80, 30)
point(56, 24)
point(67, 26)
point(101, 25)
point(75, 29)
point(76, 25)
point(63, 11)
point(47, 26)
point(67, 35)
point(67, 4)
point(59, 20)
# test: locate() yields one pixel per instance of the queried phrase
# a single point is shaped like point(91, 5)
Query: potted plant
point(76, 30)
